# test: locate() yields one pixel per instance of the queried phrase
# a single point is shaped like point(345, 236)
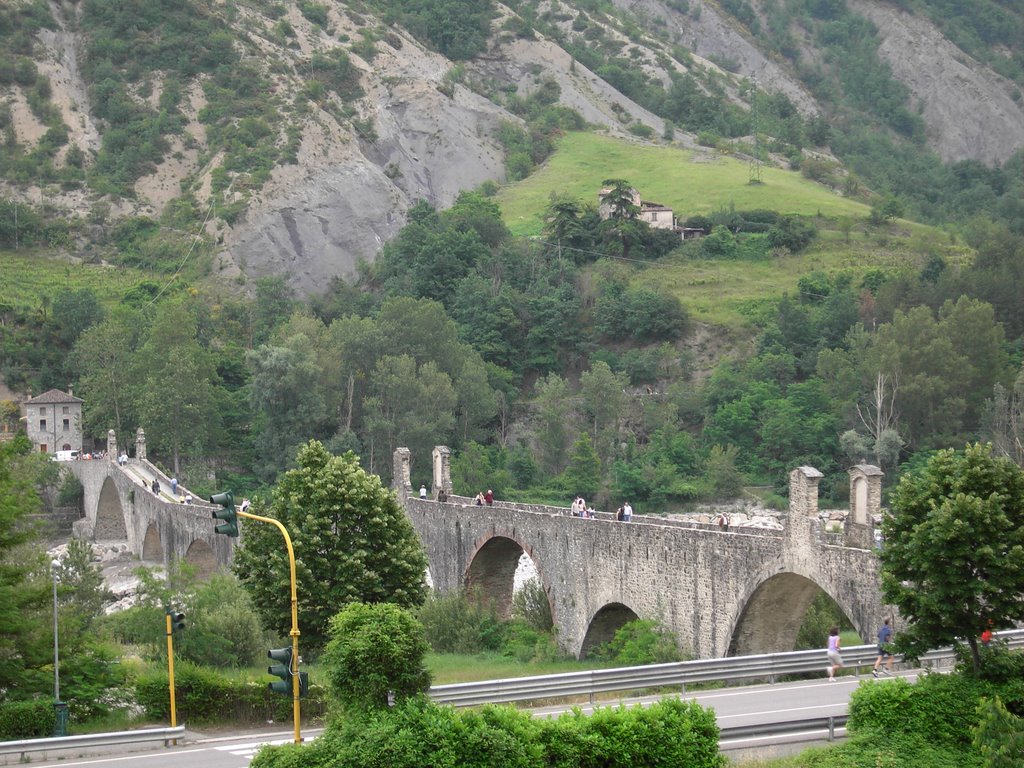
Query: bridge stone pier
point(732, 592)
point(119, 506)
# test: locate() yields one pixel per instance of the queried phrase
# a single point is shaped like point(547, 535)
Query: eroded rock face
point(968, 108)
point(344, 209)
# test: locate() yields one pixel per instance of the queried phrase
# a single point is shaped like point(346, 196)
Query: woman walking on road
point(833, 653)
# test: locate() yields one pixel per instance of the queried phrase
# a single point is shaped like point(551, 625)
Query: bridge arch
point(491, 575)
point(201, 557)
point(110, 518)
point(604, 624)
point(773, 614)
point(152, 546)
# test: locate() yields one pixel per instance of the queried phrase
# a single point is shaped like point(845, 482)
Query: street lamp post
point(60, 709)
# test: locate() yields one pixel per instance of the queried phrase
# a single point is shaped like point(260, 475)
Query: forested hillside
point(242, 225)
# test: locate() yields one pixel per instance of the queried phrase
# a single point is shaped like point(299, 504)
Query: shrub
point(457, 624)
point(375, 651)
point(26, 719)
point(531, 604)
point(207, 696)
point(938, 707)
point(418, 733)
point(641, 642)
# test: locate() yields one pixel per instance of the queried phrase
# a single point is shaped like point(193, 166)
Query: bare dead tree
point(881, 409)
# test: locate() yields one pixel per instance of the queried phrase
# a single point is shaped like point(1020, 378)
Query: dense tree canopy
point(953, 559)
point(352, 543)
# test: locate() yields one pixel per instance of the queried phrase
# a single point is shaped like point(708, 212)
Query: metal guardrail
point(831, 727)
point(24, 746)
point(679, 674)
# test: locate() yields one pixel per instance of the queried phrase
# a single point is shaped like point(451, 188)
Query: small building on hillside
point(53, 421)
point(655, 215)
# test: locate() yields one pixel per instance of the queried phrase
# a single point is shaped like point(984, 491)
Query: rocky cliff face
point(417, 134)
point(969, 109)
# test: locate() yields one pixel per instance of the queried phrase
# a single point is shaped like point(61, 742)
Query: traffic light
point(282, 669)
point(228, 514)
point(177, 620)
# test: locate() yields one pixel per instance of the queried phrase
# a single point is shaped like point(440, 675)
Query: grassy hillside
point(27, 276)
point(723, 292)
point(688, 182)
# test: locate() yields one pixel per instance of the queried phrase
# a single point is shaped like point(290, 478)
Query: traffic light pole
point(170, 669)
point(296, 714)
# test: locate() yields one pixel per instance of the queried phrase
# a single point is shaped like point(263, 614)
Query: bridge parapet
point(719, 591)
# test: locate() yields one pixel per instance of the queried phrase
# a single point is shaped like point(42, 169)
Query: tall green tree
point(410, 407)
point(286, 399)
point(103, 356)
point(553, 427)
point(954, 548)
point(604, 400)
point(353, 543)
point(23, 645)
point(177, 397)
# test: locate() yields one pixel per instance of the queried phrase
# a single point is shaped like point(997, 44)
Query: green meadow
point(26, 276)
point(723, 293)
point(690, 182)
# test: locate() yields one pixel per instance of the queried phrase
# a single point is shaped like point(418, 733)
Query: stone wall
point(737, 591)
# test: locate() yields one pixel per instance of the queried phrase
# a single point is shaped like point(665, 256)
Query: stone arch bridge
point(119, 506)
point(722, 592)
point(732, 592)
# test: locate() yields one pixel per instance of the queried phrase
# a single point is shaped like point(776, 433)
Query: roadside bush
point(207, 696)
point(668, 733)
point(531, 604)
point(456, 624)
point(26, 719)
point(641, 642)
point(939, 708)
point(375, 651)
point(875, 748)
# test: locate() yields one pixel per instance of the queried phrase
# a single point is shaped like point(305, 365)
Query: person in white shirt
point(423, 491)
point(627, 512)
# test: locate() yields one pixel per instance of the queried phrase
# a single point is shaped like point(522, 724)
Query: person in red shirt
point(489, 497)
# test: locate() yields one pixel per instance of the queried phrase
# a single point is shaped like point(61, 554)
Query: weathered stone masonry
point(735, 592)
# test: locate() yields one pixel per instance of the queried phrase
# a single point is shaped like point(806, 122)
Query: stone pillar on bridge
point(140, 445)
point(111, 445)
point(402, 482)
point(442, 470)
point(803, 524)
point(865, 503)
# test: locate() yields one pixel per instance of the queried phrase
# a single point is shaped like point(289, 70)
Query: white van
point(65, 455)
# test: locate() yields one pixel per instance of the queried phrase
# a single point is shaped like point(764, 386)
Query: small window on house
point(42, 425)
point(67, 424)
point(66, 409)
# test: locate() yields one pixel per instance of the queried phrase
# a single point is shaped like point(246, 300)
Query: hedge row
point(205, 696)
point(26, 719)
point(939, 708)
point(418, 733)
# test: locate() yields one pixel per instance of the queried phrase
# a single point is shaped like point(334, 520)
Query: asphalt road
point(755, 704)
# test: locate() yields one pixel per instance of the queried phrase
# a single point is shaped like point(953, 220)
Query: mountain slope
point(294, 136)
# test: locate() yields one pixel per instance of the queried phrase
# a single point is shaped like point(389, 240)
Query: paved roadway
point(746, 705)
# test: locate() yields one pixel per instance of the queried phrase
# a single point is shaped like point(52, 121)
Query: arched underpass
point(491, 575)
point(773, 615)
point(201, 557)
point(605, 624)
point(152, 546)
point(110, 515)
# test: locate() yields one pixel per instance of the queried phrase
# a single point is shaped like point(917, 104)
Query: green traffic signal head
point(227, 514)
point(226, 499)
point(177, 621)
point(283, 670)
